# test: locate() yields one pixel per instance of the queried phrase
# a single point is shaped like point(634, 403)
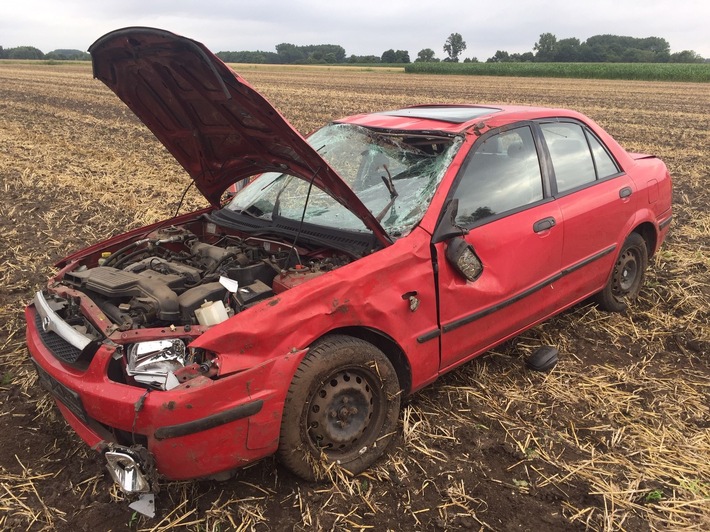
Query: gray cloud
point(363, 28)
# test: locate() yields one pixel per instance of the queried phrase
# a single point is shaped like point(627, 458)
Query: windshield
point(394, 174)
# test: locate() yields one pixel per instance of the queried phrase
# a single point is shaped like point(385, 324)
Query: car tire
point(342, 406)
point(627, 276)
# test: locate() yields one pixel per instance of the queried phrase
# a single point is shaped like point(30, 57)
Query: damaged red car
point(358, 265)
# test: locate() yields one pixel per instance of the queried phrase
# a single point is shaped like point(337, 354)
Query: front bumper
point(200, 428)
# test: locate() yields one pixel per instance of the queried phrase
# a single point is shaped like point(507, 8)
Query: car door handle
point(625, 192)
point(544, 224)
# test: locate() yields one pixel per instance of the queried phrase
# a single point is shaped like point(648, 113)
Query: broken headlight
point(154, 363)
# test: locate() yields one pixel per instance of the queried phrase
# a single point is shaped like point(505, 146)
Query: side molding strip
point(490, 310)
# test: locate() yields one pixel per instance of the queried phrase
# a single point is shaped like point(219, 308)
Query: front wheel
point(626, 279)
point(342, 406)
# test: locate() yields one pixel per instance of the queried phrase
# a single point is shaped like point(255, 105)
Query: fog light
point(127, 472)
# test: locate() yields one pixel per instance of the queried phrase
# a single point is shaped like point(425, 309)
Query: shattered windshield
point(394, 174)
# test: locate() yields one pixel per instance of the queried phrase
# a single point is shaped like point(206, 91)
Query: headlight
point(154, 363)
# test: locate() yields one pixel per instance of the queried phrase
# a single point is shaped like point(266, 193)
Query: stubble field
point(616, 437)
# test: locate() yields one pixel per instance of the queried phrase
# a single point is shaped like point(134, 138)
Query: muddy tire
point(627, 277)
point(342, 406)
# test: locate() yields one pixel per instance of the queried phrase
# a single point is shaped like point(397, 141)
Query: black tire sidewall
point(326, 357)
point(607, 299)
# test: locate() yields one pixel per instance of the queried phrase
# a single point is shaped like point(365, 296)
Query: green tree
point(389, 56)
point(453, 47)
point(316, 57)
point(256, 57)
point(567, 50)
point(402, 56)
point(526, 57)
point(658, 45)
point(426, 55)
point(545, 47)
point(363, 59)
point(68, 54)
point(323, 51)
point(25, 52)
point(501, 56)
point(290, 53)
point(686, 56)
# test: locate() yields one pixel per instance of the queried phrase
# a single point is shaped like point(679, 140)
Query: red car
point(357, 267)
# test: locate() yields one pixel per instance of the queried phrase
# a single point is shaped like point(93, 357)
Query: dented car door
point(515, 230)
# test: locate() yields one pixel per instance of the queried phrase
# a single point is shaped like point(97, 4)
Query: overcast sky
point(362, 27)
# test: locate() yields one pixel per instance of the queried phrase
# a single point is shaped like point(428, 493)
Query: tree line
point(597, 49)
point(600, 49)
point(30, 52)
point(548, 48)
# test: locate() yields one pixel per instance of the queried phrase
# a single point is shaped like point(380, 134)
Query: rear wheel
point(342, 406)
point(626, 279)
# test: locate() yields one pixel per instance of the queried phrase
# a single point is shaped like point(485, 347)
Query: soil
point(490, 446)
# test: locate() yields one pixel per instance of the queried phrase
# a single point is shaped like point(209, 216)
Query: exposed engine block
point(165, 278)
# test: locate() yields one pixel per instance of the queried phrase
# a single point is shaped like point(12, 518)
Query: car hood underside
point(214, 123)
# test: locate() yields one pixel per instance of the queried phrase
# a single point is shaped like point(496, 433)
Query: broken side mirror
point(447, 228)
point(463, 258)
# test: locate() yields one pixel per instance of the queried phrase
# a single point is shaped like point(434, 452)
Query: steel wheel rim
point(341, 411)
point(626, 272)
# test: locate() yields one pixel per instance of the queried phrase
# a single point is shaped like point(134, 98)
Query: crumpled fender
point(372, 292)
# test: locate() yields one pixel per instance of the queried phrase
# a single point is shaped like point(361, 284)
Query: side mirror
point(447, 227)
point(463, 258)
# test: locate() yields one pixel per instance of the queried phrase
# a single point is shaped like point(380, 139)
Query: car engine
point(174, 277)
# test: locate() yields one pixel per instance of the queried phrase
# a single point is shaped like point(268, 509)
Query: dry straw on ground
point(617, 437)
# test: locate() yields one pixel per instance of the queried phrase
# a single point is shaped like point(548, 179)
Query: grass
point(698, 72)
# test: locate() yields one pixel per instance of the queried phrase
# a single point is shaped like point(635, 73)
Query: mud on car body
point(356, 267)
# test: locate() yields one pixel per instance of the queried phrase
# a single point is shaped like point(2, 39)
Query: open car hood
point(214, 123)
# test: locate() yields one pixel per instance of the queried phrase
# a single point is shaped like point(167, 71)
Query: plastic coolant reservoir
point(211, 313)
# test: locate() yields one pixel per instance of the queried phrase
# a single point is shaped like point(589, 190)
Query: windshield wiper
point(389, 183)
point(393, 193)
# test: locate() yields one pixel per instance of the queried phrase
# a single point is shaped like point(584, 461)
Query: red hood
point(213, 122)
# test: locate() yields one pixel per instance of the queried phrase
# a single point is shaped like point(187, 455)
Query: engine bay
point(173, 277)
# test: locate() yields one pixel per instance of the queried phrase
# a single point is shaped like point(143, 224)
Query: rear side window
point(502, 174)
point(578, 156)
point(603, 161)
point(570, 155)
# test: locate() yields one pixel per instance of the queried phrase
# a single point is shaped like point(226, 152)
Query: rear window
point(578, 156)
point(570, 154)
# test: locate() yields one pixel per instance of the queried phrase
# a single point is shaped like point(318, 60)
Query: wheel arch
point(648, 232)
point(388, 346)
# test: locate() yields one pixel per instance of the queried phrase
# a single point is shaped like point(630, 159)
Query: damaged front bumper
point(131, 471)
point(198, 429)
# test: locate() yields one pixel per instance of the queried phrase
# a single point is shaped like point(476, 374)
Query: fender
point(372, 292)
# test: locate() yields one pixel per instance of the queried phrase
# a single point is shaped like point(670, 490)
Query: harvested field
point(616, 437)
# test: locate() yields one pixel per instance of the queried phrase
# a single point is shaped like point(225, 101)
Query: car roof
point(454, 118)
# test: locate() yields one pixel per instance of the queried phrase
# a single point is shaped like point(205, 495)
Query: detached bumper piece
point(127, 470)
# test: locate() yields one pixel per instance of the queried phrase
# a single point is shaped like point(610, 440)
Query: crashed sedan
point(356, 267)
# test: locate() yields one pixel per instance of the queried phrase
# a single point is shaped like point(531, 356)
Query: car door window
point(502, 174)
point(605, 165)
point(569, 151)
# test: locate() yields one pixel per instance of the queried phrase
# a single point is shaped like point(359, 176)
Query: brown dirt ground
point(616, 437)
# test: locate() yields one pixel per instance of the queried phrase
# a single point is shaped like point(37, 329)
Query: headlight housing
point(125, 469)
point(154, 363)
